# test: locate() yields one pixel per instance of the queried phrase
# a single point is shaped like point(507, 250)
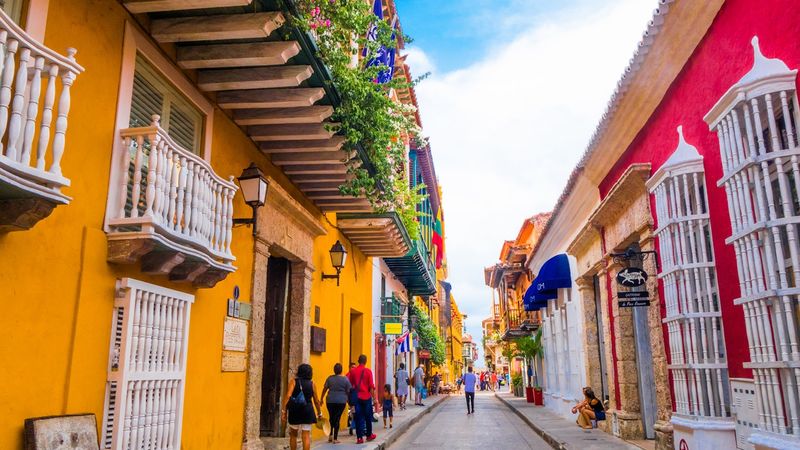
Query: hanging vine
point(367, 115)
point(427, 336)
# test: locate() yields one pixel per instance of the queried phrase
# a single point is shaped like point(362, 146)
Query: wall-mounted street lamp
point(254, 186)
point(338, 258)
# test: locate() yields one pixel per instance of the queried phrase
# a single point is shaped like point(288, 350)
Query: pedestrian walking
point(366, 399)
point(352, 399)
point(494, 381)
point(435, 384)
point(469, 390)
point(298, 409)
point(388, 405)
point(419, 384)
point(337, 387)
point(401, 381)
point(458, 383)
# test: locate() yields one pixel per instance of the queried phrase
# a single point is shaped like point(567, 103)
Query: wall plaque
point(234, 361)
point(234, 335)
point(318, 344)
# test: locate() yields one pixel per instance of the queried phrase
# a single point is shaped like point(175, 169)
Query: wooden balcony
point(265, 74)
point(171, 212)
point(377, 235)
point(34, 107)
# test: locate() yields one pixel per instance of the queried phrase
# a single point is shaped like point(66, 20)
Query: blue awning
point(553, 275)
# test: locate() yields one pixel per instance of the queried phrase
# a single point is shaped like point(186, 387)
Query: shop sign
point(631, 277)
point(392, 328)
point(234, 361)
point(424, 354)
point(632, 299)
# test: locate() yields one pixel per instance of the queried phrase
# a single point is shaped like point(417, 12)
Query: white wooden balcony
point(35, 86)
point(169, 211)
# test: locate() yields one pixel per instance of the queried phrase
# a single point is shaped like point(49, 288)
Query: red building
point(724, 199)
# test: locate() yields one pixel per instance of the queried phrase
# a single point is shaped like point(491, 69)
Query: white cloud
point(507, 130)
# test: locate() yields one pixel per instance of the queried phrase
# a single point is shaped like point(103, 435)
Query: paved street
point(493, 425)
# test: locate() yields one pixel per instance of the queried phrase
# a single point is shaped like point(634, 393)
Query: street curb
point(548, 437)
point(401, 430)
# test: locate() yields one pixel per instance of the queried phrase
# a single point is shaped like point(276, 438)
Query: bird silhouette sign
point(631, 277)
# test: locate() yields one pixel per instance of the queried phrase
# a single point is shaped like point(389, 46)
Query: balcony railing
point(33, 79)
point(172, 199)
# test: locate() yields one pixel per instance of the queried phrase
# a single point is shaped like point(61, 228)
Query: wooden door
point(380, 363)
point(274, 331)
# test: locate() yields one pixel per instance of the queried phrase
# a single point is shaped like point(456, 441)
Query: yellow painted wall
point(58, 289)
point(353, 296)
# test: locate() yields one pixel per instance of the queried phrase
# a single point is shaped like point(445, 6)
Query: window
point(152, 94)
point(693, 320)
point(146, 367)
point(13, 8)
point(756, 124)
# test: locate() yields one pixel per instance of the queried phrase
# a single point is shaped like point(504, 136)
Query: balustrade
point(34, 78)
point(167, 190)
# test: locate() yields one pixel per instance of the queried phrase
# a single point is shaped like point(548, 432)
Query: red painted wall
point(722, 58)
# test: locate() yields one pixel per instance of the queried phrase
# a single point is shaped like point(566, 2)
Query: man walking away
point(470, 380)
point(419, 384)
point(494, 381)
point(364, 385)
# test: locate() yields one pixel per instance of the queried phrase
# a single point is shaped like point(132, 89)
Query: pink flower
point(314, 26)
point(328, 23)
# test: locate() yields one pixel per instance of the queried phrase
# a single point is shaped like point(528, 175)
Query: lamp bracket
point(631, 255)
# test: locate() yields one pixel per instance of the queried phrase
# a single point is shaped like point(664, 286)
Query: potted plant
point(530, 348)
point(516, 382)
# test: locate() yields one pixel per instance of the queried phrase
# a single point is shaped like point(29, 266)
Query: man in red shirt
point(364, 385)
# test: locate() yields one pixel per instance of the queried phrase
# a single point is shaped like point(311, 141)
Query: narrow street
point(492, 426)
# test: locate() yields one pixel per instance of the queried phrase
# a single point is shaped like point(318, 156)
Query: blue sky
point(516, 89)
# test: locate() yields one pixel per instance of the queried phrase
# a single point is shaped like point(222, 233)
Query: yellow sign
point(393, 328)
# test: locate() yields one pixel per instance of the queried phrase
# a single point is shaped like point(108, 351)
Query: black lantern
point(253, 185)
point(338, 258)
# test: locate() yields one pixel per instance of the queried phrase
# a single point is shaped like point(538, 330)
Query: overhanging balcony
point(34, 79)
point(377, 235)
point(415, 270)
point(171, 212)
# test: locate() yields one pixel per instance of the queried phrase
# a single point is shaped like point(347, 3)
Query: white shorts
point(300, 427)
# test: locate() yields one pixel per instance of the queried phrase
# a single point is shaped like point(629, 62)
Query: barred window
point(756, 123)
point(693, 320)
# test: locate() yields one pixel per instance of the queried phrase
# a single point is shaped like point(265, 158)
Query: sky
point(515, 91)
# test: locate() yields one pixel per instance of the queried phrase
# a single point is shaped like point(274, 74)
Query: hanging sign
point(631, 277)
point(632, 299)
point(392, 328)
point(424, 354)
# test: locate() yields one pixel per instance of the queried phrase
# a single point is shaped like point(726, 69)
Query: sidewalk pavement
point(403, 420)
point(561, 433)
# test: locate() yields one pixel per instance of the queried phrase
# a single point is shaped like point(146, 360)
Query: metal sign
point(424, 354)
point(631, 277)
point(632, 299)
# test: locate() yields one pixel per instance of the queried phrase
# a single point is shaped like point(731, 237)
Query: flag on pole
point(404, 343)
point(383, 56)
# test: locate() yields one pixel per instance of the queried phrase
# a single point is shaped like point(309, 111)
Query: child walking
point(388, 405)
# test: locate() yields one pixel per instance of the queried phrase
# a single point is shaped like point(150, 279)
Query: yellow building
point(120, 248)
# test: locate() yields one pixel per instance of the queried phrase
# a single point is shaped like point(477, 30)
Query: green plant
point(426, 335)
point(516, 380)
point(529, 348)
point(367, 115)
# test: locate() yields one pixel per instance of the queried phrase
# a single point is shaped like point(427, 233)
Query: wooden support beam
point(285, 159)
point(310, 169)
point(148, 6)
point(269, 98)
point(321, 145)
point(320, 186)
point(253, 78)
point(300, 180)
point(278, 116)
point(237, 55)
point(345, 208)
point(216, 28)
point(292, 132)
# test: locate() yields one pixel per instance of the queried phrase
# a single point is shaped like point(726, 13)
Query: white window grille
point(693, 320)
point(755, 122)
point(146, 367)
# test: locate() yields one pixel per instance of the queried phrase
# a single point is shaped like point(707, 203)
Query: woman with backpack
point(298, 407)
